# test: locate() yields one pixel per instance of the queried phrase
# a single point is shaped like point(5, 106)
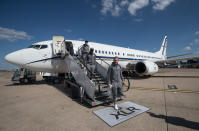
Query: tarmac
point(49, 107)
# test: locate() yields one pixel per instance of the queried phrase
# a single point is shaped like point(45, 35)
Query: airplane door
point(58, 45)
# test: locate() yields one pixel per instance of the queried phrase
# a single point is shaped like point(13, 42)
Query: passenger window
point(118, 53)
point(102, 52)
point(115, 53)
point(99, 51)
point(95, 51)
point(112, 53)
point(123, 54)
point(109, 52)
point(44, 46)
point(105, 52)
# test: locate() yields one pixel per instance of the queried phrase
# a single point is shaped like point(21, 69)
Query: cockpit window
point(43, 46)
point(38, 46)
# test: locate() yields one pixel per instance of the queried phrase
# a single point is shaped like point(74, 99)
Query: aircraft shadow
point(178, 121)
point(59, 86)
point(68, 92)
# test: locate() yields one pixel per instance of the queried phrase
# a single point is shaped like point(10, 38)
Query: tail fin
point(163, 49)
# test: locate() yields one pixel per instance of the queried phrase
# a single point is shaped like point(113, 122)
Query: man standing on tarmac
point(91, 59)
point(115, 80)
point(85, 51)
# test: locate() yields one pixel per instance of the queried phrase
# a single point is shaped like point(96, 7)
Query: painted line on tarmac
point(167, 90)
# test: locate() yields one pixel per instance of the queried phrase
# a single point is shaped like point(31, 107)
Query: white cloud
point(187, 48)
point(161, 4)
point(136, 5)
point(111, 6)
point(81, 39)
point(115, 7)
point(13, 35)
point(116, 11)
point(68, 30)
point(196, 41)
point(138, 20)
point(197, 52)
point(197, 33)
point(124, 3)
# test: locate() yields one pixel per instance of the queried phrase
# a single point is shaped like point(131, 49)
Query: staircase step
point(102, 83)
point(97, 79)
point(101, 95)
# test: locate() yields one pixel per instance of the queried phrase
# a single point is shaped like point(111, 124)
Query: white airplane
point(41, 57)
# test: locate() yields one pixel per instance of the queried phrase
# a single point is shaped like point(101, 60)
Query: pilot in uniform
point(115, 80)
point(91, 62)
point(85, 51)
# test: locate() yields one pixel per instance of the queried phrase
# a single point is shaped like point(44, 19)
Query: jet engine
point(146, 68)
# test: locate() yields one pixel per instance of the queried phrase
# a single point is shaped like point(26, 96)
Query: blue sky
point(139, 24)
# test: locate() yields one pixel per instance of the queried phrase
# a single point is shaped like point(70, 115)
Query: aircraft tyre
point(25, 80)
point(21, 81)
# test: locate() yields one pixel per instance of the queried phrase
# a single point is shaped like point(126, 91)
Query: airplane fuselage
point(40, 57)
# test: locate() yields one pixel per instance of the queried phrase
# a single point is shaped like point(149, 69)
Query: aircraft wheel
point(33, 81)
point(21, 81)
point(25, 80)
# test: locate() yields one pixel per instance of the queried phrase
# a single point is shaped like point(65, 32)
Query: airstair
point(91, 89)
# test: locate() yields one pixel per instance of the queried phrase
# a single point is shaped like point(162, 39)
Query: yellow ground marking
point(167, 90)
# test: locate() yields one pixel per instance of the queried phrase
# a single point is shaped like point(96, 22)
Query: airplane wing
point(173, 61)
point(169, 57)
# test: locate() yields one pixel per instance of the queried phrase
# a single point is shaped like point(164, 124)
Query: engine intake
point(146, 68)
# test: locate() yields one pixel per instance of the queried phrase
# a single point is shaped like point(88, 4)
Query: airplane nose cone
point(9, 58)
point(13, 58)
